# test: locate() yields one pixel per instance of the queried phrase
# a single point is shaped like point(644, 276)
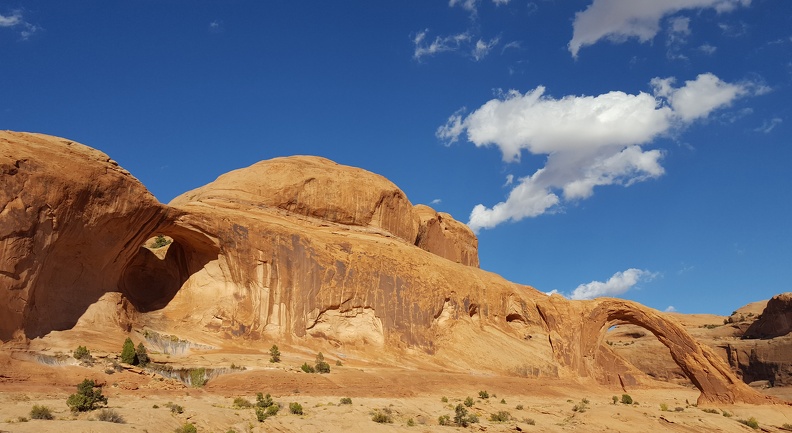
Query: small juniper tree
point(81, 352)
point(274, 354)
point(86, 398)
point(321, 366)
point(128, 355)
point(142, 355)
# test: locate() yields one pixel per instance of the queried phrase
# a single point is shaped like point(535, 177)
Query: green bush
point(615, 399)
point(410, 422)
point(142, 355)
point(159, 242)
point(444, 399)
point(128, 355)
point(663, 407)
point(483, 394)
point(321, 366)
point(711, 411)
point(529, 421)
point(198, 377)
point(346, 400)
point(41, 412)
point(273, 410)
point(175, 408)
point(382, 417)
point(109, 415)
point(261, 414)
point(307, 368)
point(519, 407)
point(81, 353)
point(750, 422)
point(444, 420)
point(242, 403)
point(263, 401)
point(186, 428)
point(86, 398)
point(626, 399)
point(501, 416)
point(296, 408)
point(469, 402)
point(274, 354)
point(462, 418)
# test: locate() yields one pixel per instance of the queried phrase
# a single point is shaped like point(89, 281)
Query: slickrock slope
point(297, 250)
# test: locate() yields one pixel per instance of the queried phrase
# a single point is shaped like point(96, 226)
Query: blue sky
point(631, 148)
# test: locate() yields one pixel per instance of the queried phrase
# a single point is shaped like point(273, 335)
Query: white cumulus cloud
point(619, 283)
point(619, 20)
point(589, 140)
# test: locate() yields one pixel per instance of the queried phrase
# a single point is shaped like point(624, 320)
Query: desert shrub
point(128, 355)
point(501, 416)
point(22, 419)
point(307, 368)
point(410, 422)
point(787, 427)
point(726, 414)
point(142, 355)
point(175, 408)
point(186, 428)
point(274, 354)
point(750, 422)
point(338, 363)
point(41, 412)
point(159, 242)
point(529, 421)
point(615, 399)
point(469, 402)
point(503, 401)
point(462, 418)
point(261, 414)
point(444, 420)
point(156, 406)
point(198, 377)
point(626, 399)
point(346, 400)
point(242, 403)
point(296, 408)
point(663, 407)
point(711, 410)
point(264, 401)
point(109, 415)
point(519, 407)
point(382, 417)
point(273, 410)
point(86, 398)
point(321, 366)
point(483, 394)
point(81, 353)
point(679, 409)
point(444, 399)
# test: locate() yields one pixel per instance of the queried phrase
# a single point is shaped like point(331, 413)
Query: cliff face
point(300, 250)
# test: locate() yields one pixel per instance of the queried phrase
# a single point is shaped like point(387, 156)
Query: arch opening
point(161, 266)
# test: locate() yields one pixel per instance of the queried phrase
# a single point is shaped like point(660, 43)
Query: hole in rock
point(644, 351)
point(159, 269)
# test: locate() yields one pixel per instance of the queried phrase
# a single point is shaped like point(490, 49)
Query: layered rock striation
point(301, 250)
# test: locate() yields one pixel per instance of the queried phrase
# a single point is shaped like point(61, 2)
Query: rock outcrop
point(298, 250)
point(775, 320)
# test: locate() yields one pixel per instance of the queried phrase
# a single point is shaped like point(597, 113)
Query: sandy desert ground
point(413, 397)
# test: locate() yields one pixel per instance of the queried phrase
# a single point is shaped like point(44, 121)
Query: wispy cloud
point(460, 42)
point(436, 201)
point(17, 22)
point(620, 20)
point(707, 49)
point(769, 125)
point(216, 26)
point(424, 47)
point(670, 309)
point(589, 140)
point(618, 284)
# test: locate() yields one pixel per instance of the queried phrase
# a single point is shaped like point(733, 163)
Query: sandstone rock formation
point(298, 250)
point(776, 319)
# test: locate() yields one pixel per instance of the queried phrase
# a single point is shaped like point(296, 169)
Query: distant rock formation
point(301, 250)
point(775, 320)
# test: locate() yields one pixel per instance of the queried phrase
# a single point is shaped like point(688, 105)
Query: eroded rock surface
point(298, 250)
